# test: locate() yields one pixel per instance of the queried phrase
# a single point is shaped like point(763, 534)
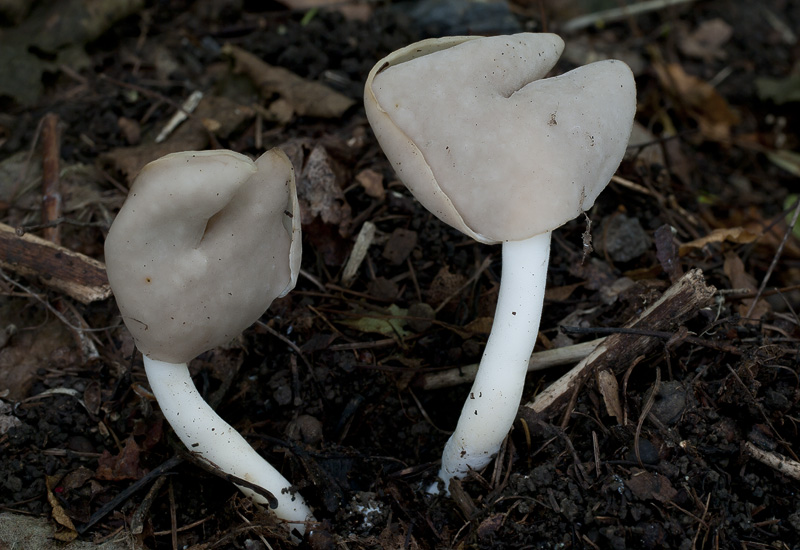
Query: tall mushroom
point(204, 243)
point(492, 148)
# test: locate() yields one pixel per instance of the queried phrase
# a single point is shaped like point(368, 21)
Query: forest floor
point(682, 434)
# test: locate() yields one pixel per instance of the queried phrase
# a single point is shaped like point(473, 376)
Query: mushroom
point(495, 150)
point(204, 243)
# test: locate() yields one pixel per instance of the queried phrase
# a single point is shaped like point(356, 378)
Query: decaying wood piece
point(79, 276)
point(679, 303)
point(539, 360)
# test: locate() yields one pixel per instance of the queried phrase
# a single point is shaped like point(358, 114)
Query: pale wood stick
point(539, 360)
point(782, 464)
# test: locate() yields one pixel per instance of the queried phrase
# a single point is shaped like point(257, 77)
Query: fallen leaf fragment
point(706, 41)
point(779, 90)
point(647, 486)
point(734, 269)
point(738, 235)
point(788, 160)
point(59, 30)
point(219, 113)
point(391, 324)
point(372, 182)
point(318, 188)
point(711, 111)
point(125, 465)
point(399, 245)
point(444, 285)
point(307, 98)
point(69, 533)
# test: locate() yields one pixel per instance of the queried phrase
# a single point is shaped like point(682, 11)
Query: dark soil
point(346, 418)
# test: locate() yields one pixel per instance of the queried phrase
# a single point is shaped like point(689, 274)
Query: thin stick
point(539, 360)
point(615, 14)
point(51, 188)
point(777, 462)
point(775, 257)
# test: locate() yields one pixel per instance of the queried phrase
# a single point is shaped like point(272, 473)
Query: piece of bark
point(307, 97)
point(79, 276)
point(539, 360)
point(678, 304)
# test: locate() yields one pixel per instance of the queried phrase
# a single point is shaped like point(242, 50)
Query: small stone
point(306, 428)
point(422, 315)
point(282, 395)
point(399, 246)
point(670, 402)
point(625, 239)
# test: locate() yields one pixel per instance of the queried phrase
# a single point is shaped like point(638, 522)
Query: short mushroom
point(204, 243)
point(494, 149)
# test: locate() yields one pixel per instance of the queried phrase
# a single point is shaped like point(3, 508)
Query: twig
point(51, 188)
point(778, 462)
point(539, 360)
point(616, 14)
point(775, 258)
point(286, 341)
point(643, 416)
point(22, 229)
point(187, 108)
point(127, 493)
point(679, 303)
point(654, 334)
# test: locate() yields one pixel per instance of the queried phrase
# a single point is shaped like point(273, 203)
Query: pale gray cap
point(204, 243)
point(487, 144)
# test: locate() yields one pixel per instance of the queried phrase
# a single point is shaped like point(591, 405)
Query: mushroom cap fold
point(204, 243)
point(487, 144)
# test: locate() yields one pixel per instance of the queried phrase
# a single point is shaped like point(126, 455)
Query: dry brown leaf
point(711, 111)
point(372, 182)
point(479, 325)
point(444, 285)
point(319, 191)
point(650, 486)
point(59, 514)
point(307, 98)
point(192, 135)
point(738, 235)
point(125, 465)
point(561, 293)
point(399, 245)
point(706, 41)
point(734, 270)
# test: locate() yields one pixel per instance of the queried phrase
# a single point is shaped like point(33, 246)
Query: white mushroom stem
point(492, 404)
point(210, 437)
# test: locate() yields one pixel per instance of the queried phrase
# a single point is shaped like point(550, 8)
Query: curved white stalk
point(209, 436)
point(491, 407)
